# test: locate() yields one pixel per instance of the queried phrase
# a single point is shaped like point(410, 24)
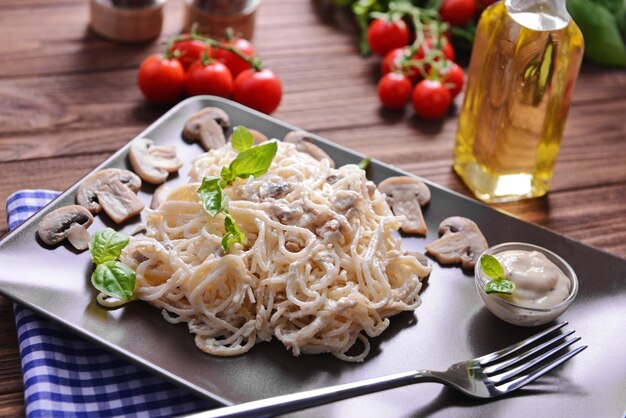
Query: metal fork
point(488, 376)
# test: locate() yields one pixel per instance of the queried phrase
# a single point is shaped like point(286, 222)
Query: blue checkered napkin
point(66, 376)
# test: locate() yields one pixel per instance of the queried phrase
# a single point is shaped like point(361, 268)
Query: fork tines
point(527, 360)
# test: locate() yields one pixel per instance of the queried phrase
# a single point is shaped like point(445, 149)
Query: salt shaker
point(127, 20)
point(214, 17)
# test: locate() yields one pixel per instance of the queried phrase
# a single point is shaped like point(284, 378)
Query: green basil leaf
point(115, 279)
point(227, 175)
point(491, 266)
point(500, 286)
point(107, 245)
point(255, 161)
point(233, 233)
point(364, 163)
point(242, 139)
point(613, 6)
point(603, 41)
point(212, 196)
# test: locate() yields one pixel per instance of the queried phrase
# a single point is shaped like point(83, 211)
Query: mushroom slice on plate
point(207, 127)
point(461, 242)
point(303, 143)
point(112, 190)
point(151, 162)
point(159, 196)
point(406, 196)
point(69, 222)
point(421, 258)
point(258, 136)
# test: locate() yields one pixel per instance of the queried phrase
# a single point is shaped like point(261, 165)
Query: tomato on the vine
point(161, 80)
point(213, 78)
point(431, 100)
point(453, 78)
point(446, 49)
point(235, 63)
point(394, 90)
point(260, 90)
point(189, 51)
point(458, 12)
point(384, 35)
point(483, 4)
point(393, 62)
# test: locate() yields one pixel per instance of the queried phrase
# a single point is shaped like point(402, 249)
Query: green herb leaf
point(364, 163)
point(233, 233)
point(107, 245)
point(242, 139)
point(115, 279)
point(491, 267)
point(500, 286)
point(212, 195)
point(227, 175)
point(253, 162)
point(600, 28)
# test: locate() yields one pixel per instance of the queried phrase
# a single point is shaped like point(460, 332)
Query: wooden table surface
point(68, 99)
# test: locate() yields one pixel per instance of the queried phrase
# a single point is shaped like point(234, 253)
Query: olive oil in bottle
point(524, 64)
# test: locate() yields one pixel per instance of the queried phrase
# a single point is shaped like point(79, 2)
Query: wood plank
point(12, 405)
point(10, 368)
point(38, 127)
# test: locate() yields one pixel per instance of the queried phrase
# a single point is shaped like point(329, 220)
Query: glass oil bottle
point(524, 64)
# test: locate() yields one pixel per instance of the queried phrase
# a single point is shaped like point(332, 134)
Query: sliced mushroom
point(461, 242)
point(421, 258)
point(112, 190)
point(275, 189)
point(303, 144)
point(151, 162)
point(207, 127)
point(406, 196)
point(159, 196)
point(258, 136)
point(69, 222)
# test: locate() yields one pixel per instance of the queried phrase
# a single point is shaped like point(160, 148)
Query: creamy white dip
point(539, 282)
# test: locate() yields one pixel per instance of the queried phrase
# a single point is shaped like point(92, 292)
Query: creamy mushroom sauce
point(539, 282)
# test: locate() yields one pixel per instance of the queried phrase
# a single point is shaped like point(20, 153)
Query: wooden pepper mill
point(127, 20)
point(214, 17)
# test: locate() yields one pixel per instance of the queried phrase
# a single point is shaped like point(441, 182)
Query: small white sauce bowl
point(519, 315)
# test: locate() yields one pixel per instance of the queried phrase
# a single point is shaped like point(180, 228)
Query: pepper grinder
point(127, 20)
point(214, 17)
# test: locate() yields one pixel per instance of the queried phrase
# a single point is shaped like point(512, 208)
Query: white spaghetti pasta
point(321, 267)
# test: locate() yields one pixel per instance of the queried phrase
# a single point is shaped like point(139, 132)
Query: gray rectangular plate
point(451, 324)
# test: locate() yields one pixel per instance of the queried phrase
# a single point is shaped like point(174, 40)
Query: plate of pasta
point(243, 258)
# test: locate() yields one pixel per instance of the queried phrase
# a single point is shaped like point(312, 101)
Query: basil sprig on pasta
point(251, 161)
point(111, 277)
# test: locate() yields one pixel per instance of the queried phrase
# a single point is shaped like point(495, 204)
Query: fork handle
point(302, 400)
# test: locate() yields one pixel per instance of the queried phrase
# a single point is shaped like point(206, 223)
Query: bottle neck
point(539, 14)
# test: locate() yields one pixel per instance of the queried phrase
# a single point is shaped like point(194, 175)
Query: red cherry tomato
point(483, 4)
point(392, 63)
point(188, 52)
point(383, 36)
point(260, 90)
point(431, 100)
point(447, 49)
point(160, 79)
point(235, 63)
point(213, 78)
point(394, 90)
point(453, 78)
point(458, 12)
